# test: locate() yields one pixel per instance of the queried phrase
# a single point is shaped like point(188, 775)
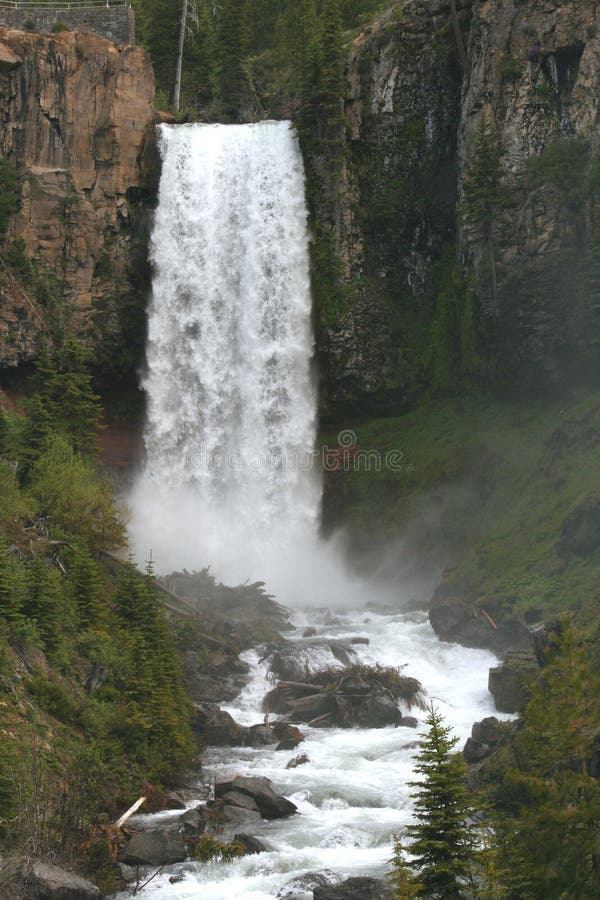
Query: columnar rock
point(75, 114)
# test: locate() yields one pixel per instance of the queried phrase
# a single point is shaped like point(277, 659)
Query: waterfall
point(228, 478)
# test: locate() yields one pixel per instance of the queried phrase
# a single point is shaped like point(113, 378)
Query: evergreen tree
point(87, 589)
point(552, 840)
point(12, 587)
point(331, 80)
point(442, 841)
point(401, 876)
point(65, 401)
point(230, 48)
point(45, 602)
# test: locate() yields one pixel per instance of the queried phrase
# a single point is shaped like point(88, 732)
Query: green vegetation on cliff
point(506, 493)
point(93, 709)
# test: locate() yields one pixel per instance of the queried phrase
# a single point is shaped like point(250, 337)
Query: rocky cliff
point(74, 112)
point(468, 224)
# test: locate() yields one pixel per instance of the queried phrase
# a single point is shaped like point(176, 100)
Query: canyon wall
point(75, 112)
point(468, 226)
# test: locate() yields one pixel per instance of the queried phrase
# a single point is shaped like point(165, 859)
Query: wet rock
point(239, 798)
point(216, 727)
point(409, 722)
point(270, 804)
point(250, 843)
point(355, 889)
point(303, 887)
point(509, 683)
point(378, 710)
point(309, 632)
point(129, 874)
point(155, 848)
point(192, 822)
point(259, 735)
point(456, 620)
point(300, 760)
point(364, 696)
point(177, 879)
point(475, 751)
point(184, 799)
point(43, 881)
point(288, 744)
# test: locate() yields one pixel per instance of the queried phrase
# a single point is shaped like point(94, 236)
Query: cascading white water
point(231, 405)
point(230, 431)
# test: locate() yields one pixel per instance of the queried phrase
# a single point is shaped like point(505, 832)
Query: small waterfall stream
point(228, 482)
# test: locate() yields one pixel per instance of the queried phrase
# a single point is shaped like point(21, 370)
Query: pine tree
point(45, 602)
point(331, 80)
point(401, 876)
point(230, 74)
point(553, 842)
point(12, 588)
point(442, 841)
point(87, 589)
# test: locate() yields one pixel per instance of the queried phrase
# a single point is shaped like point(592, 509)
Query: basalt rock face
point(532, 86)
point(418, 197)
point(75, 114)
point(397, 202)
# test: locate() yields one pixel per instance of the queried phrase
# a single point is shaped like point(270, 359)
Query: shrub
point(77, 502)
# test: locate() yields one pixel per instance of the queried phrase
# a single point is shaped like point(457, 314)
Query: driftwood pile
point(365, 696)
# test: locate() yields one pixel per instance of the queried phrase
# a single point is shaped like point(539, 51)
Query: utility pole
point(178, 68)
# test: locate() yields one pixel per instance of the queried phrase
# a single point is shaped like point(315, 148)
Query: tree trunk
point(458, 35)
point(179, 66)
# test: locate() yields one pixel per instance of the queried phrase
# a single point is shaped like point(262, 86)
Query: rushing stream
point(230, 482)
point(352, 795)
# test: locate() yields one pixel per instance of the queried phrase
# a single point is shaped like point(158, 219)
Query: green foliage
point(45, 604)
point(509, 68)
point(209, 847)
point(65, 402)
point(401, 876)
point(230, 73)
point(54, 698)
point(483, 194)
point(87, 588)
point(442, 842)
point(452, 357)
point(12, 586)
point(76, 502)
point(561, 164)
point(59, 27)
point(551, 839)
point(9, 193)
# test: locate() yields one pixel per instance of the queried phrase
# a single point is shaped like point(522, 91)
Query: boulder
point(309, 632)
point(216, 727)
point(192, 822)
point(542, 637)
point(457, 620)
point(238, 798)
point(44, 881)
point(475, 751)
point(155, 848)
point(409, 722)
point(300, 760)
point(377, 710)
point(355, 889)
point(302, 887)
point(184, 799)
point(250, 843)
point(270, 804)
point(288, 744)
point(509, 683)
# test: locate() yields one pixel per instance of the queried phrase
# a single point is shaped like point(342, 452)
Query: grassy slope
point(498, 480)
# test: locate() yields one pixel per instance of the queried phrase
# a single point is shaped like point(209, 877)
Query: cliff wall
point(75, 111)
point(468, 226)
